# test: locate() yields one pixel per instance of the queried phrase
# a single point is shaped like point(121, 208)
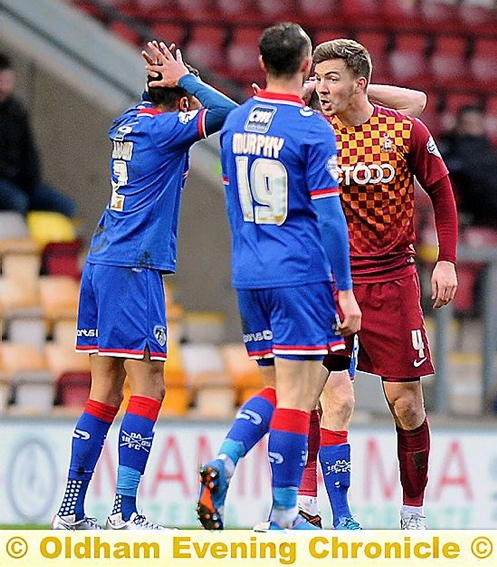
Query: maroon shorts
point(392, 339)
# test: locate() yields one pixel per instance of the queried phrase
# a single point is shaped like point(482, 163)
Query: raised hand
point(163, 64)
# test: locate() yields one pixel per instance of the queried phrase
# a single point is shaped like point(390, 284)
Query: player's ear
point(184, 104)
point(361, 85)
point(262, 65)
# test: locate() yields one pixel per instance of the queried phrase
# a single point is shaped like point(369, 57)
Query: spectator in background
point(472, 162)
point(21, 186)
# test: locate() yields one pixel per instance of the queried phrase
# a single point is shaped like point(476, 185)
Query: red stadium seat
point(402, 14)
point(73, 388)
point(327, 33)
point(126, 32)
point(242, 13)
point(408, 60)
point(242, 56)
point(449, 61)
point(206, 47)
point(491, 118)
point(316, 12)
point(278, 10)
point(438, 13)
point(361, 13)
point(377, 45)
point(480, 16)
point(452, 103)
point(483, 63)
point(169, 33)
point(62, 259)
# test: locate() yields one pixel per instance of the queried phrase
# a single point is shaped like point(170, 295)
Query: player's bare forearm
point(443, 284)
point(407, 101)
point(352, 315)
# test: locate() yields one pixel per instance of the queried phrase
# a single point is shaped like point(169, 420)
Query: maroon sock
point(413, 449)
point(309, 485)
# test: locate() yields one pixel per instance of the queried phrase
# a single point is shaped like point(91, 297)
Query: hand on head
point(161, 63)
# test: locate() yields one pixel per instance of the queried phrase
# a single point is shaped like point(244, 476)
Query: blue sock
point(335, 464)
point(87, 443)
point(135, 442)
point(251, 424)
point(287, 451)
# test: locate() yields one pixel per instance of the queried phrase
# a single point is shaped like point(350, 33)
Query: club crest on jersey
point(160, 334)
point(185, 117)
point(432, 148)
point(260, 118)
point(388, 145)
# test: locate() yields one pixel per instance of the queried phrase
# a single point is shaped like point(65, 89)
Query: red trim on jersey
point(201, 124)
point(324, 192)
point(93, 348)
point(101, 411)
point(225, 180)
point(284, 97)
point(144, 407)
point(269, 394)
point(331, 438)
point(147, 111)
point(291, 420)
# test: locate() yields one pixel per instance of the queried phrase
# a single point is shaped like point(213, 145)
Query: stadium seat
point(244, 372)
point(73, 388)
point(449, 61)
point(360, 12)
point(62, 358)
point(27, 329)
point(480, 16)
point(59, 297)
point(408, 60)
point(214, 403)
point(316, 12)
point(176, 402)
point(483, 63)
point(30, 376)
point(452, 102)
point(18, 298)
point(437, 13)
point(274, 11)
point(242, 56)
point(326, 33)
point(64, 331)
point(62, 259)
point(169, 32)
point(206, 47)
point(491, 118)
point(377, 44)
point(126, 31)
point(47, 226)
point(13, 225)
point(203, 365)
point(21, 265)
point(203, 327)
point(238, 13)
point(401, 15)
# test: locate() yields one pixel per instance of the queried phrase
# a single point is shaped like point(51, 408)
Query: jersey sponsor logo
point(185, 117)
point(432, 148)
point(266, 335)
point(362, 173)
point(87, 332)
point(260, 118)
point(160, 333)
point(332, 167)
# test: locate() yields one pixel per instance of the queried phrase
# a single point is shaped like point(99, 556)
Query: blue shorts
point(122, 312)
point(290, 322)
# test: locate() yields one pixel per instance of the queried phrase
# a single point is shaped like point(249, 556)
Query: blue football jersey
point(277, 156)
point(148, 168)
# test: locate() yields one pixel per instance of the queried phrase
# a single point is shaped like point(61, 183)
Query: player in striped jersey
point(381, 151)
point(122, 312)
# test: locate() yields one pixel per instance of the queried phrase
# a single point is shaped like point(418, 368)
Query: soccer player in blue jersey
point(122, 316)
point(278, 160)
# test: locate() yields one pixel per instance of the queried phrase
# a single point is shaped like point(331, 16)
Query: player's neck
point(356, 114)
point(285, 86)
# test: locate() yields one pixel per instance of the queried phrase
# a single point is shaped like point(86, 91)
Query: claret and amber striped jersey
point(378, 161)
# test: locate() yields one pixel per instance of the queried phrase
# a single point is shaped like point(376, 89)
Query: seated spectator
point(472, 162)
point(21, 186)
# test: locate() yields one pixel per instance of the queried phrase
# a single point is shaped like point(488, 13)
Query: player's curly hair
point(355, 56)
point(168, 97)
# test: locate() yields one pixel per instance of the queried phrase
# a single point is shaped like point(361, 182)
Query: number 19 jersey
point(277, 156)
